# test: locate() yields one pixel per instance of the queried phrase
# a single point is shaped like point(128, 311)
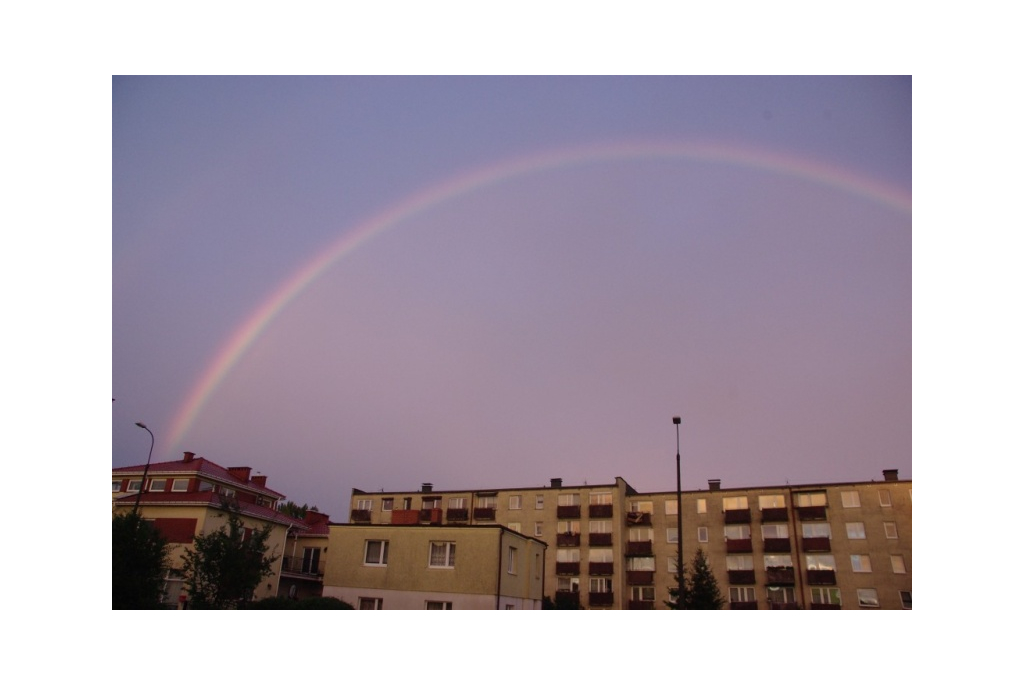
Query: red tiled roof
point(212, 499)
point(198, 466)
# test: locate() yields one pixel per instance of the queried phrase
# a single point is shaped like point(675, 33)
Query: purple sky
point(549, 324)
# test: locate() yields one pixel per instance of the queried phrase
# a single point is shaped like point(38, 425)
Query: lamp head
point(140, 424)
point(676, 420)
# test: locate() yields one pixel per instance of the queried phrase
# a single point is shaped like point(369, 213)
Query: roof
point(197, 466)
point(212, 499)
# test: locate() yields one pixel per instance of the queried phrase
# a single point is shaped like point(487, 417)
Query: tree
point(138, 564)
point(700, 589)
point(226, 566)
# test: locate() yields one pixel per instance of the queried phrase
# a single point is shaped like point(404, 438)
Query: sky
point(481, 282)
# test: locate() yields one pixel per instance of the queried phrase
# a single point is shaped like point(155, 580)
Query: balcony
point(811, 513)
point(484, 514)
point(298, 565)
point(778, 575)
point(816, 544)
point(825, 606)
point(640, 577)
point(638, 518)
point(739, 546)
point(567, 568)
point(568, 540)
point(776, 545)
point(741, 577)
point(600, 511)
point(602, 599)
point(774, 515)
point(641, 548)
point(405, 517)
point(641, 605)
point(457, 515)
point(600, 540)
point(431, 516)
point(737, 516)
point(601, 568)
point(566, 599)
point(569, 511)
point(783, 605)
point(742, 605)
point(821, 577)
point(360, 516)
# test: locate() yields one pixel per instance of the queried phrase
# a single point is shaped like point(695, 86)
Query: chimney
point(259, 481)
point(556, 482)
point(427, 487)
point(891, 474)
point(189, 456)
point(240, 472)
point(714, 483)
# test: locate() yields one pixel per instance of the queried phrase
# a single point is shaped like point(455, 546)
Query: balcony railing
point(638, 518)
point(741, 577)
point(640, 577)
point(432, 516)
point(640, 605)
point(567, 568)
point(780, 514)
point(302, 566)
point(601, 568)
point(567, 599)
point(360, 516)
point(816, 544)
point(484, 514)
point(600, 540)
point(602, 599)
point(783, 605)
point(743, 605)
point(811, 513)
point(600, 511)
point(780, 576)
point(568, 540)
point(405, 516)
point(457, 515)
point(569, 512)
point(776, 545)
point(816, 577)
point(739, 546)
point(737, 516)
point(825, 606)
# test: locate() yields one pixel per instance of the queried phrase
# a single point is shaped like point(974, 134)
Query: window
point(737, 562)
point(513, 560)
point(572, 527)
point(117, 486)
point(515, 502)
point(133, 485)
point(227, 492)
point(781, 595)
point(567, 556)
point(538, 529)
point(867, 597)
point(568, 584)
point(672, 565)
point(640, 563)
point(364, 505)
point(851, 499)
point(898, 566)
point(742, 594)
point(510, 607)
point(371, 603)
point(205, 486)
point(311, 559)
point(516, 526)
point(702, 506)
point(601, 585)
point(601, 526)
point(157, 484)
point(600, 498)
point(641, 534)
point(599, 556)
point(671, 535)
point(817, 530)
point(429, 503)
point(439, 606)
point(456, 502)
point(821, 562)
point(884, 498)
point(734, 503)
point(861, 563)
point(890, 530)
point(387, 504)
point(737, 532)
point(376, 553)
point(569, 500)
point(645, 507)
point(642, 594)
point(774, 531)
point(905, 599)
point(442, 555)
point(826, 595)
point(539, 502)
point(671, 508)
point(487, 502)
point(811, 499)
point(771, 502)
point(778, 561)
point(855, 531)
point(702, 534)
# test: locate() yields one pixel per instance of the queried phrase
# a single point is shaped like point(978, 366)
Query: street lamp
point(679, 518)
point(145, 471)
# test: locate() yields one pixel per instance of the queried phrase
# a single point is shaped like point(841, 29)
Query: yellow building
point(188, 497)
point(434, 567)
point(302, 568)
point(817, 546)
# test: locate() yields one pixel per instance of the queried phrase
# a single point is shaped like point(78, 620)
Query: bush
point(274, 603)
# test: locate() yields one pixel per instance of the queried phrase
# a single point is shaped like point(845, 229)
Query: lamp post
point(679, 517)
point(145, 472)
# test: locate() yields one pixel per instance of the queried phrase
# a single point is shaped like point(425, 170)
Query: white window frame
point(643, 534)
point(771, 502)
point(183, 485)
point(811, 499)
point(600, 555)
point(702, 533)
point(443, 606)
point(821, 562)
point(739, 503)
point(890, 527)
point(382, 553)
point(134, 484)
point(898, 563)
point(387, 504)
point(671, 507)
point(569, 499)
point(702, 506)
point(826, 595)
point(567, 555)
point(778, 561)
point(568, 584)
point(742, 594)
point(867, 597)
point(162, 481)
point(641, 593)
point(642, 506)
point(538, 503)
point(640, 564)
point(600, 526)
point(571, 526)
point(884, 498)
point(515, 502)
point(448, 553)
point(378, 603)
point(739, 562)
point(117, 486)
point(779, 531)
point(860, 563)
point(855, 531)
point(538, 529)
point(513, 561)
point(516, 526)
point(672, 535)
point(364, 504)
point(456, 502)
point(816, 527)
point(600, 498)
point(601, 584)
point(851, 499)
point(742, 529)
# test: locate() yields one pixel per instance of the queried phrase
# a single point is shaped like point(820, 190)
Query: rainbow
point(242, 339)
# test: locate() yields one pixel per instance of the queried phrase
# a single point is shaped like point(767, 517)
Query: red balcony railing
point(780, 576)
point(568, 540)
point(569, 512)
point(741, 577)
point(816, 544)
point(737, 516)
point(811, 513)
point(640, 548)
point(776, 545)
point(640, 605)
point(774, 514)
point(600, 540)
point(821, 577)
point(484, 514)
point(601, 568)
point(640, 577)
point(602, 599)
point(567, 568)
point(638, 518)
point(742, 605)
point(825, 606)
point(739, 546)
point(600, 511)
point(457, 515)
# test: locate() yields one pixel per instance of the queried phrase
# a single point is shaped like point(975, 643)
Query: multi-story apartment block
point(818, 546)
point(447, 567)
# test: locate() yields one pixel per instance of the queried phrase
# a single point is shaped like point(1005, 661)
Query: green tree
point(226, 566)
point(292, 509)
point(138, 564)
point(700, 589)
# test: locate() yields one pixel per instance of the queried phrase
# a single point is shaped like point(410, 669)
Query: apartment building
point(400, 566)
point(815, 546)
point(188, 497)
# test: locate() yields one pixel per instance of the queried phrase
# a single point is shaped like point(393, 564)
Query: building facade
point(816, 546)
point(403, 566)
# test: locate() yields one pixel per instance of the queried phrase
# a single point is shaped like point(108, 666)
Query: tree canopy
point(138, 564)
point(700, 589)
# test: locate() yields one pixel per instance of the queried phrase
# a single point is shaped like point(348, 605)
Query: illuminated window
point(778, 561)
point(774, 531)
point(734, 503)
point(456, 502)
point(811, 499)
point(898, 565)
point(516, 526)
point(569, 500)
point(645, 507)
point(600, 498)
point(851, 499)
point(861, 563)
point(364, 505)
point(702, 506)
point(855, 531)
point(739, 562)
point(821, 562)
point(771, 501)
point(884, 498)
point(817, 530)
point(671, 508)
point(515, 502)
